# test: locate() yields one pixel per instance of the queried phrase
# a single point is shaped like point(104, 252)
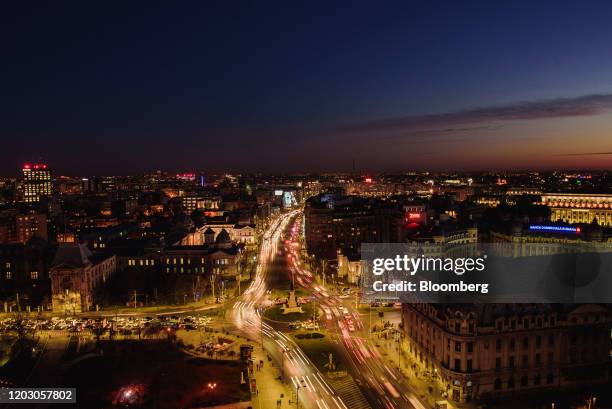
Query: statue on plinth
point(291, 306)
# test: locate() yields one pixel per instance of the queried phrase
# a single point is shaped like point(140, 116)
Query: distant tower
point(36, 182)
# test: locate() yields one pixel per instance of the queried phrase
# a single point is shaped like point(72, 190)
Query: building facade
point(76, 273)
point(495, 350)
point(24, 274)
point(542, 240)
point(207, 234)
point(221, 258)
point(330, 226)
point(37, 182)
point(579, 208)
point(19, 228)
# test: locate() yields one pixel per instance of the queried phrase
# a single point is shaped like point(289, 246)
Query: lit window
point(9, 275)
point(34, 275)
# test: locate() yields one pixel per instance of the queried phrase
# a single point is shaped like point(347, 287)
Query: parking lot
point(123, 325)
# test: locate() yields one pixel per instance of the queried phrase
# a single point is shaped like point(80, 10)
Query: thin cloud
point(585, 154)
point(449, 122)
point(453, 132)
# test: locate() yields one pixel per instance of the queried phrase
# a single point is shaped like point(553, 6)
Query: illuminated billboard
point(289, 199)
point(414, 217)
point(554, 229)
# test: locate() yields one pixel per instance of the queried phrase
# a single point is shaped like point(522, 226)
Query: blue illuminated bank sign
point(554, 229)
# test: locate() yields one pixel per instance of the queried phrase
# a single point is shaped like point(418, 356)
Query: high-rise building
point(36, 182)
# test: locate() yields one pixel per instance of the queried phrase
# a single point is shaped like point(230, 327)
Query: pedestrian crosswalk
point(348, 390)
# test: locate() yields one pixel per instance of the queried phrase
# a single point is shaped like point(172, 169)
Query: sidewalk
point(269, 387)
point(388, 350)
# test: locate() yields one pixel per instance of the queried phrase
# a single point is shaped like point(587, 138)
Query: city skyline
point(215, 88)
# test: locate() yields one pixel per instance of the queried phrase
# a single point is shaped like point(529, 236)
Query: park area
point(154, 373)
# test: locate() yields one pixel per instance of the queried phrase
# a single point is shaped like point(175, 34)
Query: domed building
point(218, 255)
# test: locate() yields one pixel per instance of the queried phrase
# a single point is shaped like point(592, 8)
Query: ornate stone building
point(579, 208)
point(75, 274)
point(501, 349)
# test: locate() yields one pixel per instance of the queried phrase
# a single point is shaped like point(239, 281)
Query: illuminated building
point(28, 225)
point(76, 272)
point(487, 201)
point(494, 350)
point(135, 258)
point(579, 208)
point(37, 182)
point(335, 224)
point(373, 188)
point(19, 228)
point(415, 213)
point(87, 185)
point(209, 205)
point(219, 258)
point(209, 232)
point(186, 177)
point(520, 191)
point(455, 236)
point(339, 224)
point(349, 266)
point(546, 239)
point(106, 184)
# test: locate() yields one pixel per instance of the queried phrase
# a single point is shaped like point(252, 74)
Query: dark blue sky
point(120, 87)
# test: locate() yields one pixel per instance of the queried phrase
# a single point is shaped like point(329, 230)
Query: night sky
point(127, 87)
